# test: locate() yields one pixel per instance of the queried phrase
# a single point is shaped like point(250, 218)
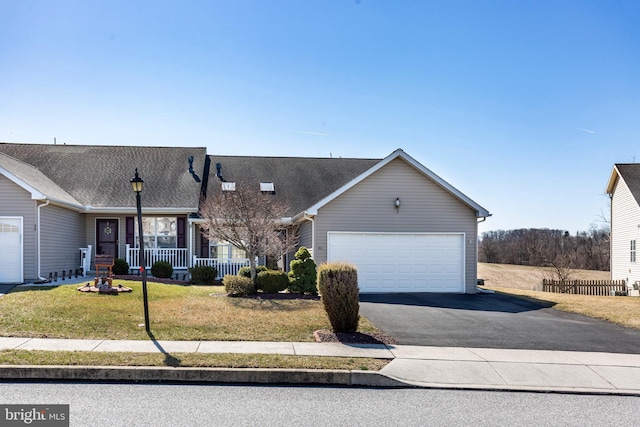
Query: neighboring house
point(405, 228)
point(56, 199)
point(624, 190)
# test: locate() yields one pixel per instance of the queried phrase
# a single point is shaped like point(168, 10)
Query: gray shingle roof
point(630, 172)
point(302, 181)
point(99, 175)
point(35, 179)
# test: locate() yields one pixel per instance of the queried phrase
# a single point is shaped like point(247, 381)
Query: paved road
point(491, 321)
point(197, 405)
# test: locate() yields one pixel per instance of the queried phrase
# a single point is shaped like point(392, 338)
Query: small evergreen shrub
point(120, 267)
point(246, 270)
point(237, 286)
point(203, 275)
point(272, 281)
point(338, 286)
point(302, 273)
point(162, 269)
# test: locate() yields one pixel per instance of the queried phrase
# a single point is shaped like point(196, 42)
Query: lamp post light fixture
point(136, 184)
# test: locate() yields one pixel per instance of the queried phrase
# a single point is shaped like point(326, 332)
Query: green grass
point(266, 361)
point(176, 313)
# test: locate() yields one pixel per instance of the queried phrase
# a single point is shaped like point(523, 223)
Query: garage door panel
point(404, 262)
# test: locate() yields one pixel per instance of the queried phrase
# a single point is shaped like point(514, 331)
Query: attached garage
point(11, 244)
point(402, 262)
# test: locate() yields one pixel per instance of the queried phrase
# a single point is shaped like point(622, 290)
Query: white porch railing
point(177, 257)
point(223, 265)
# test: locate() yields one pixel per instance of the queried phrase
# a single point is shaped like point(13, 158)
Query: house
point(56, 199)
point(624, 190)
point(405, 228)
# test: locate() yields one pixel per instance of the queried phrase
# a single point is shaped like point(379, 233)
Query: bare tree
point(250, 220)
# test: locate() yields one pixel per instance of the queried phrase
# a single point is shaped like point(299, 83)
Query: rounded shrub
point(302, 273)
point(272, 281)
point(246, 270)
point(203, 275)
point(237, 286)
point(338, 286)
point(162, 270)
point(120, 267)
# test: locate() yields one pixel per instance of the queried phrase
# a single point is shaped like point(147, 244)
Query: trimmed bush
point(272, 281)
point(338, 286)
point(203, 275)
point(237, 286)
point(120, 267)
point(302, 273)
point(162, 269)
point(246, 272)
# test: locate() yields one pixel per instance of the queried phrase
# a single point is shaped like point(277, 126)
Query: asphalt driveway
point(491, 321)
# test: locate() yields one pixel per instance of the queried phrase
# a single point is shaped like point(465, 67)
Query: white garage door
point(404, 262)
point(11, 244)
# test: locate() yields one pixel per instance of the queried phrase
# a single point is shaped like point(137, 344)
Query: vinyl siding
point(306, 236)
point(15, 201)
point(424, 207)
point(625, 226)
point(62, 235)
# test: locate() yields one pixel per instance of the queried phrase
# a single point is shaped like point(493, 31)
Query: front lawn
point(176, 313)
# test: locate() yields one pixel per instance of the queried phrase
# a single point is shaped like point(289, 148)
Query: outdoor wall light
point(397, 204)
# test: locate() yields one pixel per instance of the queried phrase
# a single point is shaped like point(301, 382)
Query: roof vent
point(267, 187)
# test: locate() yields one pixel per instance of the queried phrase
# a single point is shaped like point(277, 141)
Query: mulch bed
point(138, 278)
point(354, 338)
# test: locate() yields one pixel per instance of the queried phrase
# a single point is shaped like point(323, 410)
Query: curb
point(200, 375)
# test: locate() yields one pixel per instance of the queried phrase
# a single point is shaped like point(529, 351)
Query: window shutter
point(130, 232)
point(204, 247)
point(182, 232)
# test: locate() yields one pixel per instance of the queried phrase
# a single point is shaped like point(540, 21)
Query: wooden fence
point(586, 287)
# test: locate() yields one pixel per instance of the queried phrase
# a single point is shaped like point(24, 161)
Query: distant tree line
point(547, 248)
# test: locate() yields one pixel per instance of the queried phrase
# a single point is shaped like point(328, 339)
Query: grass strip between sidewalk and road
point(187, 360)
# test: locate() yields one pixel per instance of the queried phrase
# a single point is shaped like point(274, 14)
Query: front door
point(107, 237)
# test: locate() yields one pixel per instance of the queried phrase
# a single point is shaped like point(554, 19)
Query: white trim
point(480, 211)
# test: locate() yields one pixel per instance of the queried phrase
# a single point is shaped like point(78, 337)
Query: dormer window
point(267, 187)
point(228, 186)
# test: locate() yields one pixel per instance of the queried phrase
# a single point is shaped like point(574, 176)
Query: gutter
point(39, 242)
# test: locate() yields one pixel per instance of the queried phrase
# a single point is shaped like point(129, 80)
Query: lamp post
point(136, 183)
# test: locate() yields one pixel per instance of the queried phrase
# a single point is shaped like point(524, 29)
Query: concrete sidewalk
point(436, 367)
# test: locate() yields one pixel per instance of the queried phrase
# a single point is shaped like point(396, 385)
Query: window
point(158, 232)
point(228, 186)
point(226, 250)
point(267, 187)
point(632, 252)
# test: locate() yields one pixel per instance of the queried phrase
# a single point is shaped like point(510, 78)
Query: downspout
point(39, 243)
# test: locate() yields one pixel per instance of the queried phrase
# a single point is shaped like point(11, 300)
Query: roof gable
point(480, 211)
point(98, 176)
point(34, 182)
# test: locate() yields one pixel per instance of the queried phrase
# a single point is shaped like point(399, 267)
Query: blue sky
point(523, 106)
